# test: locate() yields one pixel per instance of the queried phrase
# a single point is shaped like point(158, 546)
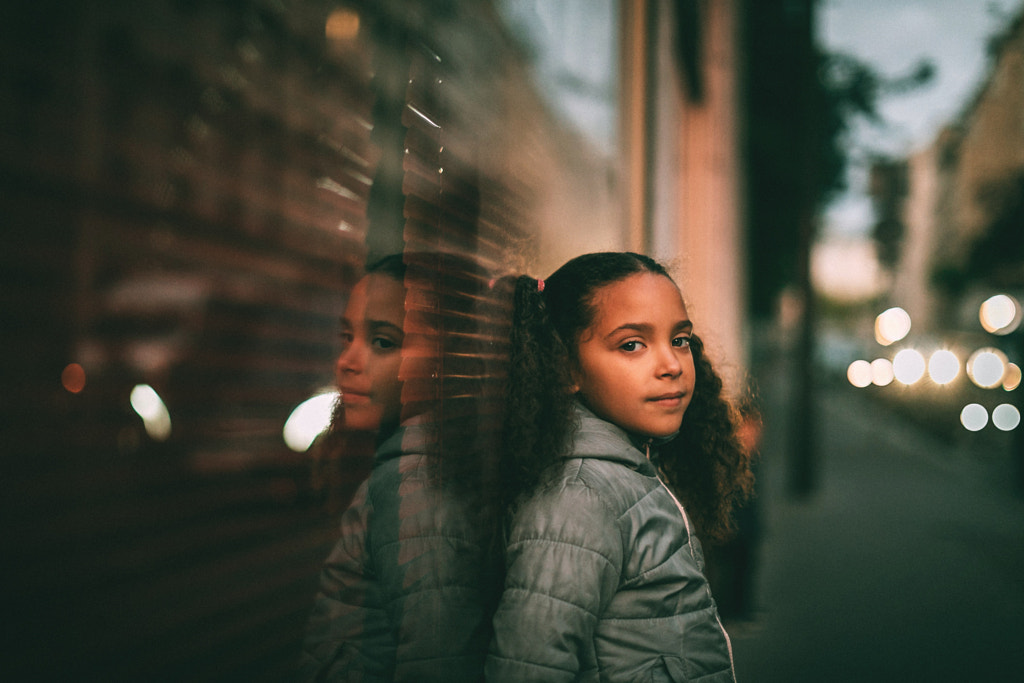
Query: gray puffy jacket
point(604, 577)
point(407, 593)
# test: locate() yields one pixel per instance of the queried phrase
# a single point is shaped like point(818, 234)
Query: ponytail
point(539, 417)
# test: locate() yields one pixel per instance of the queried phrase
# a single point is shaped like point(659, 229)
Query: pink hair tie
point(540, 285)
point(490, 285)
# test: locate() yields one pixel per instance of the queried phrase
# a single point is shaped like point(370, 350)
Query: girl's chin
point(663, 431)
point(357, 420)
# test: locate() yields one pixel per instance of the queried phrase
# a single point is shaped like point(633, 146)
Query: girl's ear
point(574, 375)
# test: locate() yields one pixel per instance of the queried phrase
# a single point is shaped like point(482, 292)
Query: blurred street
point(905, 565)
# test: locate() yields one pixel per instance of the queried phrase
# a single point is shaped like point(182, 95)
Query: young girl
point(603, 567)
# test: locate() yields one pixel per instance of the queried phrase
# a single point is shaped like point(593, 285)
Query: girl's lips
point(668, 400)
point(349, 396)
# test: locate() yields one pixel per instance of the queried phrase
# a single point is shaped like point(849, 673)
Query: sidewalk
point(907, 564)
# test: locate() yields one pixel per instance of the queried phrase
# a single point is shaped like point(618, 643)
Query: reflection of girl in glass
point(367, 367)
point(366, 375)
point(408, 591)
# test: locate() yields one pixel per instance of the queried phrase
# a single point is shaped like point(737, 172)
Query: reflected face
point(634, 367)
point(367, 368)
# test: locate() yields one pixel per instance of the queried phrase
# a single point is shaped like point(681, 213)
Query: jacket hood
point(601, 440)
point(411, 437)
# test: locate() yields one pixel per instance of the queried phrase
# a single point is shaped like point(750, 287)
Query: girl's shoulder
point(571, 509)
point(614, 485)
point(590, 504)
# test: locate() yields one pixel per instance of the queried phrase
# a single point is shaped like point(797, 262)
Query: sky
point(892, 36)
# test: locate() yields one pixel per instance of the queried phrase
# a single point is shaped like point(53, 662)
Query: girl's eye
point(346, 338)
point(383, 343)
point(681, 342)
point(631, 345)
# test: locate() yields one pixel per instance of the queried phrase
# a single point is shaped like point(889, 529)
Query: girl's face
point(634, 366)
point(367, 368)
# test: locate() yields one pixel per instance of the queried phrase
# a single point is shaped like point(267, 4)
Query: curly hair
point(539, 417)
point(705, 463)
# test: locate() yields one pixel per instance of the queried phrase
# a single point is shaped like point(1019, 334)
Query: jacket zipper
point(689, 533)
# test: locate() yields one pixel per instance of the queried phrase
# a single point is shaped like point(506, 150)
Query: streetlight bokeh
point(151, 408)
point(859, 373)
point(974, 417)
point(881, 372)
point(891, 326)
point(986, 367)
point(1005, 417)
point(908, 366)
point(1000, 314)
point(308, 420)
point(1012, 376)
point(943, 366)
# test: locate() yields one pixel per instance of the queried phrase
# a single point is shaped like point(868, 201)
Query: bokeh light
point(151, 408)
point(974, 417)
point(309, 419)
point(881, 372)
point(1011, 378)
point(943, 366)
point(986, 367)
point(342, 24)
point(1000, 314)
point(859, 373)
point(891, 326)
point(73, 378)
point(909, 366)
point(1005, 417)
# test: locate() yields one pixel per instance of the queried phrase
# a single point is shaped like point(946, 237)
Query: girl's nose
point(668, 363)
point(350, 361)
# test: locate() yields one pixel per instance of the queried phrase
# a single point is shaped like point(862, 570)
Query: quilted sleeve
point(564, 559)
point(347, 630)
point(434, 578)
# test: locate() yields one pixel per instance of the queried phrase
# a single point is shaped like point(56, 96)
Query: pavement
point(905, 564)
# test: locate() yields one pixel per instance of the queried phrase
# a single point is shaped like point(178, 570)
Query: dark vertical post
point(803, 463)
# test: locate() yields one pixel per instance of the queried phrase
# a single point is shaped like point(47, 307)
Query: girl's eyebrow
point(376, 325)
point(639, 327)
point(647, 328)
